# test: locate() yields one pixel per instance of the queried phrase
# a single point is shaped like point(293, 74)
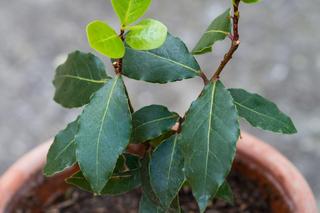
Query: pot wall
point(251, 152)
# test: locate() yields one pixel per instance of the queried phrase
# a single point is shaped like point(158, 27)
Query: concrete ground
point(279, 58)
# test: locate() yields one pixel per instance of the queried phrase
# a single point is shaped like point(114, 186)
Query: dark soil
point(247, 194)
point(247, 198)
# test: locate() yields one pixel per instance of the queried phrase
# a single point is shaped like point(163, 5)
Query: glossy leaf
point(151, 122)
point(104, 133)
point(151, 202)
point(158, 140)
point(78, 78)
point(62, 154)
point(145, 180)
point(225, 193)
point(130, 11)
point(171, 62)
point(105, 40)
point(208, 140)
point(219, 29)
point(147, 206)
point(261, 113)
point(117, 184)
point(166, 170)
point(79, 181)
point(125, 178)
point(147, 35)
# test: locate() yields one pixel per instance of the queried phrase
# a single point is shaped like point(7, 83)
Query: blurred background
point(279, 58)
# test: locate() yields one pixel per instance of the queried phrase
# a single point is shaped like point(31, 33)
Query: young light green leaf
point(101, 140)
point(130, 11)
point(62, 154)
point(250, 1)
point(78, 78)
point(147, 35)
point(261, 113)
point(225, 193)
point(105, 40)
point(166, 170)
point(171, 62)
point(208, 141)
point(219, 29)
point(151, 122)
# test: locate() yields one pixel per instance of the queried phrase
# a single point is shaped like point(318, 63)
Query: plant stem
point(118, 69)
point(204, 78)
point(118, 63)
point(234, 43)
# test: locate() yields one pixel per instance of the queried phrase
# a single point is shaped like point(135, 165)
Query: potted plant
point(113, 149)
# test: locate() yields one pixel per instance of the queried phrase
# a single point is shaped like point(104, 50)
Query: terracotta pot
point(255, 159)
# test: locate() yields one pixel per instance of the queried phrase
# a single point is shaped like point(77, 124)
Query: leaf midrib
point(174, 62)
point(104, 39)
point(101, 126)
point(170, 164)
point(263, 115)
point(102, 81)
point(209, 129)
point(217, 31)
point(65, 148)
point(126, 17)
point(155, 120)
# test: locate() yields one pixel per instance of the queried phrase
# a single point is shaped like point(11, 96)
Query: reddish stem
point(234, 43)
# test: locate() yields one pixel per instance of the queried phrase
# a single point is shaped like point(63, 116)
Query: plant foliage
point(195, 150)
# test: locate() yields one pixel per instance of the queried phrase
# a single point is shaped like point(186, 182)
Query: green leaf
point(171, 62)
point(219, 29)
point(250, 1)
point(120, 182)
point(145, 180)
point(166, 170)
point(147, 35)
point(261, 113)
point(79, 181)
point(175, 206)
point(208, 141)
point(130, 11)
point(62, 154)
point(225, 193)
point(105, 40)
point(78, 78)
point(147, 206)
point(158, 140)
point(152, 199)
point(104, 132)
point(117, 184)
point(151, 122)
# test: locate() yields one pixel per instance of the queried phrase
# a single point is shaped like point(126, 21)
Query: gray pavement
point(279, 58)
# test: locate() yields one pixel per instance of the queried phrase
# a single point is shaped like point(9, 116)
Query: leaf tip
point(203, 202)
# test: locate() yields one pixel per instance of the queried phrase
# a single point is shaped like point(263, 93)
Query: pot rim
point(279, 170)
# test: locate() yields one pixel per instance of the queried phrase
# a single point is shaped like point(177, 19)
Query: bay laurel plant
point(195, 150)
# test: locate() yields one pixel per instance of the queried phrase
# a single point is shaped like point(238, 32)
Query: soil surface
point(247, 199)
